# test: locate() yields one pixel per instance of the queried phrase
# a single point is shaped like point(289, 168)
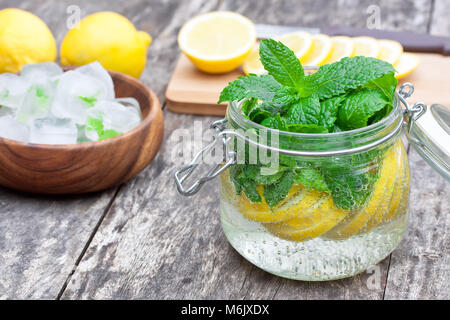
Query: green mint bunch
point(349, 94)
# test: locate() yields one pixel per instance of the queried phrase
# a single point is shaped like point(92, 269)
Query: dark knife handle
point(411, 41)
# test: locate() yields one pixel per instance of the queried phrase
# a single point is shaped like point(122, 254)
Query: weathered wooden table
point(143, 240)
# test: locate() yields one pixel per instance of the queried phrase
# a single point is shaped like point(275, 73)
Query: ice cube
point(5, 111)
point(36, 104)
point(40, 73)
point(109, 118)
point(11, 129)
point(96, 70)
point(53, 131)
point(75, 94)
point(117, 117)
point(12, 90)
point(130, 102)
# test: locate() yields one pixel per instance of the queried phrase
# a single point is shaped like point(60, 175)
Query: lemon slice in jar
point(300, 42)
point(298, 200)
point(310, 223)
point(400, 195)
point(217, 42)
point(358, 222)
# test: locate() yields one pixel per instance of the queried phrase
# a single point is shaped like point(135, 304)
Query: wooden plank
point(156, 244)
point(43, 237)
point(420, 265)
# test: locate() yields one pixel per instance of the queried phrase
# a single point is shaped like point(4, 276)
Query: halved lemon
point(367, 47)
point(390, 51)
point(300, 42)
point(407, 63)
point(359, 221)
point(310, 223)
point(321, 51)
point(217, 42)
point(342, 47)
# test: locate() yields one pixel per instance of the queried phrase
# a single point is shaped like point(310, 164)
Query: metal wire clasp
point(410, 114)
point(229, 158)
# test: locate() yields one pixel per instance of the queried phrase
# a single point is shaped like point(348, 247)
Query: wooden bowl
point(91, 166)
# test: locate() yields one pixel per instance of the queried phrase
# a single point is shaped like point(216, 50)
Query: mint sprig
point(345, 95)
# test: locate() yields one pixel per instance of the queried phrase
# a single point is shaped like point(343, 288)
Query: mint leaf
point(306, 111)
point(89, 100)
point(328, 111)
point(251, 192)
point(259, 87)
point(248, 105)
point(350, 191)
point(275, 122)
point(359, 107)
point(235, 171)
point(106, 134)
point(276, 192)
point(95, 124)
point(260, 179)
point(386, 85)
point(306, 128)
point(286, 96)
point(258, 114)
point(281, 63)
point(311, 178)
point(349, 73)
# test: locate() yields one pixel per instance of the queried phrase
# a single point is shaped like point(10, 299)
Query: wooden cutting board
point(195, 92)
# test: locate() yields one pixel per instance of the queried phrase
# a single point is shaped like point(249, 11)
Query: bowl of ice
point(75, 130)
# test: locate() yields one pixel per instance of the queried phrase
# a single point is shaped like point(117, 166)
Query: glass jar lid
point(429, 134)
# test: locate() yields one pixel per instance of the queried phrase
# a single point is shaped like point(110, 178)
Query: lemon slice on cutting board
point(300, 42)
point(310, 223)
point(367, 47)
point(217, 42)
point(390, 51)
point(321, 51)
point(342, 47)
point(407, 63)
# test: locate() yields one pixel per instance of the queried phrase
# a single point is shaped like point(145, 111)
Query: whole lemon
point(109, 38)
point(24, 39)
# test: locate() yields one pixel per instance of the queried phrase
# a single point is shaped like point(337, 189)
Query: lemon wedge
point(407, 63)
point(321, 51)
point(342, 47)
point(217, 42)
point(300, 42)
point(367, 47)
point(310, 223)
point(390, 51)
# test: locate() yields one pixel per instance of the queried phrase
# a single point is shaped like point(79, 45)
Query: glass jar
point(334, 204)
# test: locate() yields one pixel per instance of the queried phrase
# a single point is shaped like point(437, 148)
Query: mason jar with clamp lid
point(291, 226)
